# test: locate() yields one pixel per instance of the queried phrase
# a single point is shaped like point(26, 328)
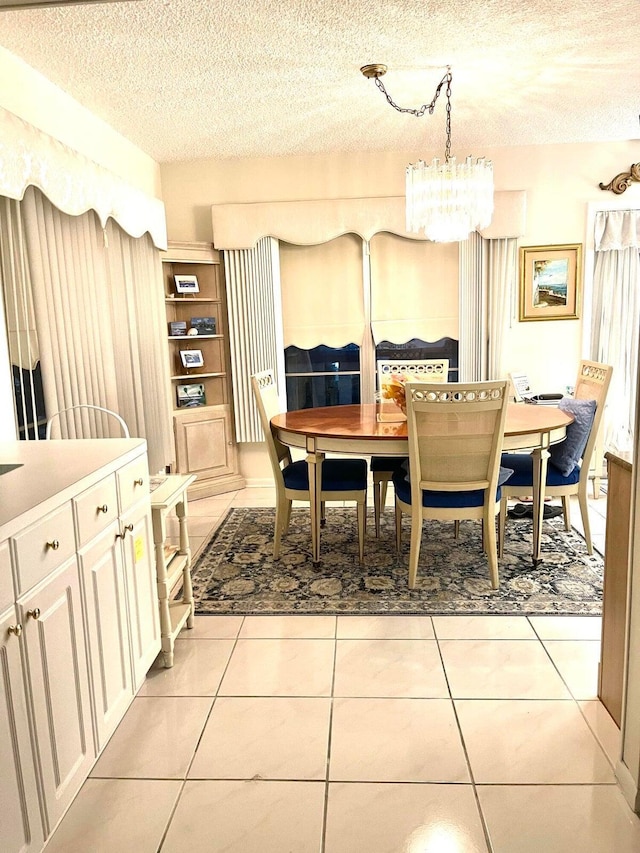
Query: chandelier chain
point(420, 111)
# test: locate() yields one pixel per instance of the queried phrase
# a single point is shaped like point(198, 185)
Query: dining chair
point(342, 479)
point(383, 467)
point(455, 435)
point(86, 407)
point(569, 460)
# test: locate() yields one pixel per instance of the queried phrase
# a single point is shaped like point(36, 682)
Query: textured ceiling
point(186, 79)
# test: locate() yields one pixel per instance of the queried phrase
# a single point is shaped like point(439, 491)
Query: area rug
point(236, 573)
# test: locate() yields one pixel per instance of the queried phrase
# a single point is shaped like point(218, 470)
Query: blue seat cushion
point(441, 500)
point(338, 475)
point(522, 464)
point(387, 463)
point(566, 455)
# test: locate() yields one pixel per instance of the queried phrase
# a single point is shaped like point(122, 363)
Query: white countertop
point(49, 469)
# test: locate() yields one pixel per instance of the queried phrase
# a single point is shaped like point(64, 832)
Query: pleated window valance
point(617, 229)
point(73, 183)
point(307, 223)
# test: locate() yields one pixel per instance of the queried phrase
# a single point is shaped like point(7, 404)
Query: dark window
point(322, 376)
point(27, 390)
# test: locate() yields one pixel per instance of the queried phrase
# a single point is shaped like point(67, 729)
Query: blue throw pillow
point(566, 455)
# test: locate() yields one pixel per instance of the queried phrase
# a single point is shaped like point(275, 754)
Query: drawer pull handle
point(15, 629)
point(138, 482)
point(128, 528)
point(54, 544)
point(34, 614)
point(104, 508)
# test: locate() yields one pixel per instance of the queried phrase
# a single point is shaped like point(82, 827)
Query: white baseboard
point(628, 786)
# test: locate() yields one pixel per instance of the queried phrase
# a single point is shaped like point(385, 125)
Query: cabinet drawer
point(6, 578)
point(43, 547)
point(95, 509)
point(133, 482)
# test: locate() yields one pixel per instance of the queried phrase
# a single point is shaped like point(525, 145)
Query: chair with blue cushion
point(383, 467)
point(455, 433)
point(342, 479)
point(569, 460)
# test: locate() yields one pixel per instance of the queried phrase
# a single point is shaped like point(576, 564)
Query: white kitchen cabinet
point(57, 682)
point(21, 829)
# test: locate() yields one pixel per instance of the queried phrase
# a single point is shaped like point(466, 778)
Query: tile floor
point(327, 734)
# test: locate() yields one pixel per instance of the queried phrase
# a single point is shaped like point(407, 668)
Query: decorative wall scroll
point(622, 181)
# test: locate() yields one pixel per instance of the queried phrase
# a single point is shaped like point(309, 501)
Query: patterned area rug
point(236, 572)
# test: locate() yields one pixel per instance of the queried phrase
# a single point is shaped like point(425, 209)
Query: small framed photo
point(190, 396)
point(186, 284)
point(177, 328)
point(204, 325)
point(191, 358)
point(550, 282)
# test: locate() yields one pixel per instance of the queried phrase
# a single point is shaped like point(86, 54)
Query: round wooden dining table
point(380, 429)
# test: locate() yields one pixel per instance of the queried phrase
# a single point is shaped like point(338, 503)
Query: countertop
point(52, 471)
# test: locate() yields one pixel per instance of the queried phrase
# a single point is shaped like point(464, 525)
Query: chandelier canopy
point(448, 200)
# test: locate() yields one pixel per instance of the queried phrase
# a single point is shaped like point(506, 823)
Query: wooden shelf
point(192, 338)
point(192, 376)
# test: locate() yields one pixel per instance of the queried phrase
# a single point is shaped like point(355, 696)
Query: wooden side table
point(172, 561)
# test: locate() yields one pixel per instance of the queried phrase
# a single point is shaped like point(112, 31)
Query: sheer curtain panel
point(100, 320)
point(502, 254)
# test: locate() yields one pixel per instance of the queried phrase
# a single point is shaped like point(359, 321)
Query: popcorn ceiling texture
point(187, 79)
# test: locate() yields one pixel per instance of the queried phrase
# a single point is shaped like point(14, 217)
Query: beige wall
point(560, 181)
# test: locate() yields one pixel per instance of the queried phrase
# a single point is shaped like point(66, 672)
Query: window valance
point(617, 229)
point(307, 223)
point(73, 183)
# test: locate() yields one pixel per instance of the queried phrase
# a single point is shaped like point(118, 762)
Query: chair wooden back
point(268, 404)
point(592, 384)
point(455, 434)
point(87, 423)
point(423, 370)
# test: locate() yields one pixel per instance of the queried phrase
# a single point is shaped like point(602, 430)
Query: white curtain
point(616, 318)
point(101, 326)
point(502, 256)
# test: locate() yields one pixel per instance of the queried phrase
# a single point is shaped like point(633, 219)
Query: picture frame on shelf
point(190, 396)
point(177, 328)
point(191, 358)
point(204, 325)
point(186, 284)
point(550, 282)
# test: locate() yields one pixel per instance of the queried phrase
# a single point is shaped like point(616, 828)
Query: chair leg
point(502, 521)
point(398, 529)
point(489, 528)
point(377, 488)
point(283, 509)
point(566, 511)
point(414, 550)
point(287, 520)
point(584, 512)
point(456, 529)
point(362, 523)
point(323, 514)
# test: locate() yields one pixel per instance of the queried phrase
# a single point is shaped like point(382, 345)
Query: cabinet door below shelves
point(204, 442)
point(20, 822)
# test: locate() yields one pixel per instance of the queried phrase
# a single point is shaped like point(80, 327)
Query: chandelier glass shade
point(445, 201)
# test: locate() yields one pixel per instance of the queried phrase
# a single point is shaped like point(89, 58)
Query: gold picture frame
point(550, 282)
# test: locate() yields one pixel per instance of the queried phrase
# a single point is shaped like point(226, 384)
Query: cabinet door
point(204, 442)
point(20, 821)
point(51, 616)
point(101, 567)
point(142, 593)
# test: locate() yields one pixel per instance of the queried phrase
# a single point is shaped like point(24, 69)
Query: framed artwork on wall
point(550, 282)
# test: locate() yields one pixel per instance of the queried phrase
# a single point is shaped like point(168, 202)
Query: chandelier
point(448, 200)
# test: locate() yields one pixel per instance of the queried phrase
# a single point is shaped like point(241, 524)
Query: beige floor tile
point(156, 739)
point(559, 819)
point(604, 728)
point(280, 668)
point(483, 628)
point(198, 526)
point(388, 818)
point(567, 627)
point(289, 627)
point(530, 742)
point(396, 740)
point(255, 496)
point(577, 662)
point(264, 738)
point(212, 628)
point(500, 669)
point(212, 506)
point(385, 628)
point(389, 668)
point(116, 814)
point(197, 670)
point(247, 817)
